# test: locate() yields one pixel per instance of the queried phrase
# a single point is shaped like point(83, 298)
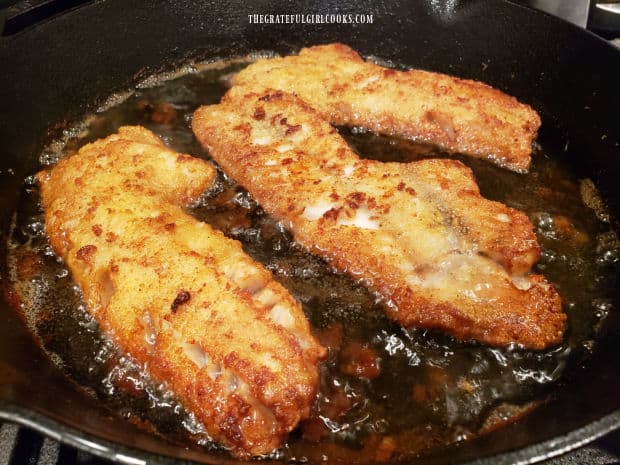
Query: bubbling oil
point(385, 391)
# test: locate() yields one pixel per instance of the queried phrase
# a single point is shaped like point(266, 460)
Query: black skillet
point(58, 71)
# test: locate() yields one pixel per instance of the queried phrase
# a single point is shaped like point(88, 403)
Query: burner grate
point(22, 446)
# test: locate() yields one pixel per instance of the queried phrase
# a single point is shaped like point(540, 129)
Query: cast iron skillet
point(56, 72)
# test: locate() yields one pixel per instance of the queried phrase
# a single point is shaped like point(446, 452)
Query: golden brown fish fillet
point(180, 297)
point(419, 233)
point(455, 114)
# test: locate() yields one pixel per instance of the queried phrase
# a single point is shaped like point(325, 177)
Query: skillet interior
point(565, 73)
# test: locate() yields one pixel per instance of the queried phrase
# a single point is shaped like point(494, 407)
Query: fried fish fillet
point(180, 297)
point(455, 114)
point(420, 234)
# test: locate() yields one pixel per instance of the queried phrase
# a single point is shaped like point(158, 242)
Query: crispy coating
point(420, 234)
point(455, 114)
point(180, 297)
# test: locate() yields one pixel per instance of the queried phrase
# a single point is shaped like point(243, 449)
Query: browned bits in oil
point(432, 388)
point(97, 230)
point(569, 232)
point(164, 113)
point(331, 336)
point(144, 105)
point(169, 226)
point(465, 385)
point(420, 394)
point(385, 449)
point(360, 360)
point(181, 298)
point(128, 384)
point(29, 264)
point(160, 113)
point(339, 404)
point(313, 429)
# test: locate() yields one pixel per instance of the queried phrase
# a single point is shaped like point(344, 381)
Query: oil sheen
point(385, 392)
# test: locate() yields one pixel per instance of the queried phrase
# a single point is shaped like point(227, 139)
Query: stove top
point(20, 446)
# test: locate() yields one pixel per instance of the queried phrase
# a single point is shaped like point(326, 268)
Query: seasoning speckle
point(182, 298)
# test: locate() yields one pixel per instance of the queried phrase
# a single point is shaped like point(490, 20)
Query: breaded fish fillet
point(420, 233)
point(180, 297)
point(455, 114)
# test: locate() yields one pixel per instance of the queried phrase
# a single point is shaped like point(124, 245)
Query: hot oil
point(384, 391)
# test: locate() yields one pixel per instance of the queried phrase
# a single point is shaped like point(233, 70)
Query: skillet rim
point(123, 454)
point(592, 430)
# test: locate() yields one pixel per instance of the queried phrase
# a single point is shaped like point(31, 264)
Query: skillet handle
point(604, 19)
point(18, 15)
